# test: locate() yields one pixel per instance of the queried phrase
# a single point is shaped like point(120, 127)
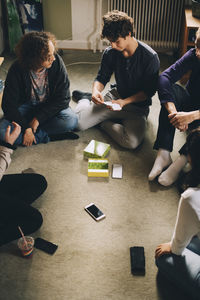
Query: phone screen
point(117, 171)
point(45, 246)
point(95, 211)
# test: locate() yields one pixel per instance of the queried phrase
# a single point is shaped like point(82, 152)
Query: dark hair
point(192, 178)
point(33, 49)
point(116, 24)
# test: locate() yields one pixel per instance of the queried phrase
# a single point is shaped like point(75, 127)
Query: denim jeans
point(65, 120)
point(183, 270)
point(166, 131)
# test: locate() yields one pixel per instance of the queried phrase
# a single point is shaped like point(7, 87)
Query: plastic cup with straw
point(25, 244)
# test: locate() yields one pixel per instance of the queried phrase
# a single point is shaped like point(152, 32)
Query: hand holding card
point(113, 106)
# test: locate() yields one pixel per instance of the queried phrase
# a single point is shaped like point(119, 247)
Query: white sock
point(163, 160)
point(171, 174)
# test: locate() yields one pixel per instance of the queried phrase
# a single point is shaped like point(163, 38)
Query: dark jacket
point(188, 62)
point(18, 91)
point(133, 74)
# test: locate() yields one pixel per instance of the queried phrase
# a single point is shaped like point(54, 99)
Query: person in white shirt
point(187, 228)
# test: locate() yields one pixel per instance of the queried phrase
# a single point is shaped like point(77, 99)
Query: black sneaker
point(63, 136)
point(78, 95)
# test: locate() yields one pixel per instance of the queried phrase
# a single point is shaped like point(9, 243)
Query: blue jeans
point(183, 270)
point(166, 131)
point(65, 120)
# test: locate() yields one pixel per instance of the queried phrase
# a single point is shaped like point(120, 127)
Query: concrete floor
point(92, 260)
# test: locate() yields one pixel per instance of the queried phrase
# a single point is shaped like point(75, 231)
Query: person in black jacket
point(36, 94)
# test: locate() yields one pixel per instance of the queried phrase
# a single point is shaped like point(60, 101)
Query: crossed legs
point(64, 121)
point(18, 191)
point(126, 127)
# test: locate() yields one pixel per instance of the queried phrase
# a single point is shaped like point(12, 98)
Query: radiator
point(157, 22)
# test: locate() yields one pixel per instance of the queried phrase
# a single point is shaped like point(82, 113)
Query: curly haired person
point(36, 94)
point(135, 67)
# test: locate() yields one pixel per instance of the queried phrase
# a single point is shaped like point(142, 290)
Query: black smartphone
point(45, 246)
point(137, 260)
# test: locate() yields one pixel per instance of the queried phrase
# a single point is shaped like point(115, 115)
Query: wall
point(57, 18)
point(86, 24)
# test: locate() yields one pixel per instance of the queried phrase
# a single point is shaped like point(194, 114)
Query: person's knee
point(131, 142)
point(36, 220)
point(41, 182)
point(82, 126)
point(67, 119)
point(73, 121)
point(32, 221)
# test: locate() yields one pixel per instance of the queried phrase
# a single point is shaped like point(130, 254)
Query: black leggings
point(17, 192)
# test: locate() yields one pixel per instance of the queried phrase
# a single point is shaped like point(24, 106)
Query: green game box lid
point(96, 149)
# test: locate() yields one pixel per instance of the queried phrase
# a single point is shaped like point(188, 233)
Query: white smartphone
point(94, 212)
point(116, 171)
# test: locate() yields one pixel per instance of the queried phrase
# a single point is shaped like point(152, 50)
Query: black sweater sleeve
point(150, 79)
point(14, 95)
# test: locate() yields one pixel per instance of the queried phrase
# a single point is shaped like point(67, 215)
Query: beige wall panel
point(57, 18)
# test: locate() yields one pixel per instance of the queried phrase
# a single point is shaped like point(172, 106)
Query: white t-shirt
point(187, 220)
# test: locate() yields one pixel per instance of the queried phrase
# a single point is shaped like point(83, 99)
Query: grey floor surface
point(92, 260)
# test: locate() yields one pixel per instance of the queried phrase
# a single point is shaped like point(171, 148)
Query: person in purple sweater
point(179, 110)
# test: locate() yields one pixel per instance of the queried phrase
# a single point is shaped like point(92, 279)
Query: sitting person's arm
point(139, 97)
point(171, 75)
point(166, 80)
point(6, 148)
point(15, 92)
point(97, 88)
point(187, 225)
point(103, 77)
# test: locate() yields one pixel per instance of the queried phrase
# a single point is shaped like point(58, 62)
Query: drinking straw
point(24, 239)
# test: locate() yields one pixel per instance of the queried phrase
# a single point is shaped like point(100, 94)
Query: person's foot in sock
point(170, 175)
point(79, 95)
point(63, 136)
point(162, 161)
